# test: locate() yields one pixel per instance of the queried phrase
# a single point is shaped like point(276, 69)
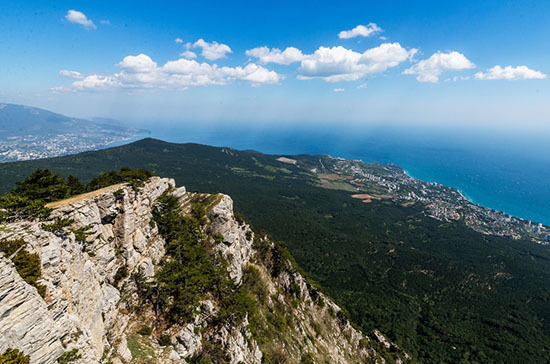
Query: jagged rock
point(24, 320)
point(188, 342)
point(77, 277)
point(236, 247)
point(86, 311)
point(123, 350)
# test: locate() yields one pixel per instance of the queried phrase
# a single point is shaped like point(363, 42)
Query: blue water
point(507, 172)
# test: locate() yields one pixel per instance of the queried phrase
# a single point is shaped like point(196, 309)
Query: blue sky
point(470, 63)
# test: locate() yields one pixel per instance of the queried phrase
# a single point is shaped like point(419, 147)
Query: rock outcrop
point(91, 304)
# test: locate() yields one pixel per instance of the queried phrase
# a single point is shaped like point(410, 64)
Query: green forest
point(443, 292)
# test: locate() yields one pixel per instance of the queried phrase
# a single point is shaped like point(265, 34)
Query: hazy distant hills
point(16, 120)
point(31, 133)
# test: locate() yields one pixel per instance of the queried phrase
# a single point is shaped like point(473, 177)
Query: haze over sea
point(499, 170)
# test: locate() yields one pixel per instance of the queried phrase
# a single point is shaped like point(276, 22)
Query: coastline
point(462, 193)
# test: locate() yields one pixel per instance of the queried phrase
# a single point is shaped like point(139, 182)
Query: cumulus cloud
point(77, 17)
point(97, 82)
point(338, 90)
point(71, 74)
point(141, 63)
point(430, 69)
point(340, 64)
point(360, 31)
point(212, 51)
point(178, 40)
point(510, 73)
point(142, 72)
point(266, 55)
point(189, 54)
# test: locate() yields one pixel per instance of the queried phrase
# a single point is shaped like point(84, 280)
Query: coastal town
point(374, 181)
point(27, 147)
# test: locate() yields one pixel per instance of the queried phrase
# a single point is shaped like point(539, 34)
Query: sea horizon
point(503, 176)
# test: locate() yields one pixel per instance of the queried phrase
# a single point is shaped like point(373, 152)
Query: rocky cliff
point(95, 268)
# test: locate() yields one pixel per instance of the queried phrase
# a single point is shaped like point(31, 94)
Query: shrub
point(20, 207)
point(190, 270)
point(42, 185)
point(119, 194)
point(164, 340)
point(29, 197)
point(27, 265)
point(81, 233)
point(145, 331)
point(307, 358)
point(135, 178)
point(69, 356)
point(59, 224)
point(120, 274)
point(14, 356)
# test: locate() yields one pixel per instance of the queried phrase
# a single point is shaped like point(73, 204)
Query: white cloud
point(105, 22)
point(188, 54)
point(97, 82)
point(58, 90)
point(71, 74)
point(360, 30)
point(78, 17)
point(338, 90)
point(142, 72)
point(340, 64)
point(430, 69)
point(212, 51)
point(178, 40)
point(141, 63)
point(510, 73)
point(363, 85)
point(266, 55)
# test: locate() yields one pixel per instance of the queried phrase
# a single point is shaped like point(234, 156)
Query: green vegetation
point(27, 265)
point(121, 273)
point(14, 356)
point(69, 356)
point(191, 268)
point(58, 224)
point(140, 347)
point(29, 197)
point(135, 178)
point(443, 292)
point(164, 340)
point(82, 233)
point(145, 331)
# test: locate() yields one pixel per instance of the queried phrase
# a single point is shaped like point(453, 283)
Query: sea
point(505, 170)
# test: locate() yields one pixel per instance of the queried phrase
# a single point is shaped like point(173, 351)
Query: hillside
point(161, 275)
point(30, 133)
point(441, 290)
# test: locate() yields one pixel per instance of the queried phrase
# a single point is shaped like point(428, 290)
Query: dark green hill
point(444, 292)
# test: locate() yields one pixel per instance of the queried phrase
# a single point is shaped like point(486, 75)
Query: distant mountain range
point(31, 133)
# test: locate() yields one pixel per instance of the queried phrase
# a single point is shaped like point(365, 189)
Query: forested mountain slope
point(442, 291)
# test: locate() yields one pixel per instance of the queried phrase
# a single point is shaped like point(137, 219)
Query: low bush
point(14, 356)
point(69, 356)
point(27, 265)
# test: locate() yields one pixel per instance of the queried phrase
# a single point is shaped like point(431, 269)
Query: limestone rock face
point(89, 307)
point(83, 309)
point(24, 319)
point(236, 246)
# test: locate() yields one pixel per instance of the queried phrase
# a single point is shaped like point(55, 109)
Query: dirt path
point(84, 196)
